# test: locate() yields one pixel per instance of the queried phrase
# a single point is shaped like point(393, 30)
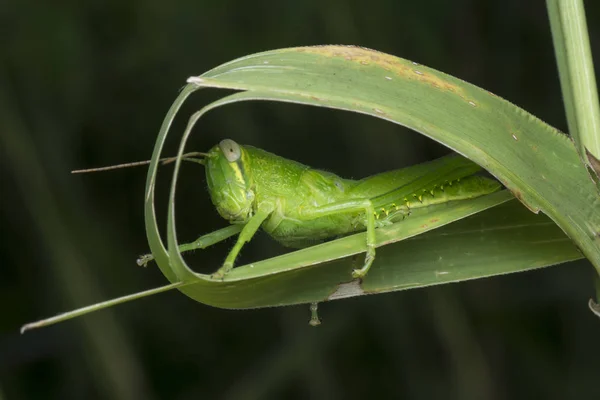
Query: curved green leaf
point(536, 162)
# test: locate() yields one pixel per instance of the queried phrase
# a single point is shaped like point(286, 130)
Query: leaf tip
point(195, 80)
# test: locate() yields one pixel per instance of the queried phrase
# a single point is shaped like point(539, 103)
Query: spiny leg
point(201, 243)
point(370, 256)
point(348, 207)
point(246, 234)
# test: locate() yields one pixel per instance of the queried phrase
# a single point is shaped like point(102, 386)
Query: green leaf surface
point(537, 163)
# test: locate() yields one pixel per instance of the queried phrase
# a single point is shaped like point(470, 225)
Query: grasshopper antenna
point(188, 157)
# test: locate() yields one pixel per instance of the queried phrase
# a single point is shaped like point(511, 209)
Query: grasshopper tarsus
point(360, 273)
point(314, 317)
point(217, 277)
point(220, 274)
point(143, 260)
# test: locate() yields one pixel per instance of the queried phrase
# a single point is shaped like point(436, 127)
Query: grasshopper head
point(229, 182)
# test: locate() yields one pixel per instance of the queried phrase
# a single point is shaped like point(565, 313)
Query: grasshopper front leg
point(248, 231)
point(202, 242)
point(348, 207)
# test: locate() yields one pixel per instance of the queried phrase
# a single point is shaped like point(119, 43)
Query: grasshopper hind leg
point(396, 214)
point(370, 256)
point(352, 206)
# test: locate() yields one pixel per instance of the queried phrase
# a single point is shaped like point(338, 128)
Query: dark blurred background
point(85, 84)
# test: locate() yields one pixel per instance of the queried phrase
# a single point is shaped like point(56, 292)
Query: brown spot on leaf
point(518, 195)
point(399, 66)
point(594, 162)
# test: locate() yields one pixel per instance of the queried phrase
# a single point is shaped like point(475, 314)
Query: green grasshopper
point(300, 206)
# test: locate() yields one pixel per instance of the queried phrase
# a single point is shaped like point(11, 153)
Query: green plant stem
point(578, 82)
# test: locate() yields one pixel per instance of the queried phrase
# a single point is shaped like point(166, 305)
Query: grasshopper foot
point(362, 272)
point(314, 319)
point(144, 260)
point(358, 273)
point(221, 272)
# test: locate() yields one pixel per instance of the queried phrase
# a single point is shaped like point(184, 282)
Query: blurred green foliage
point(86, 84)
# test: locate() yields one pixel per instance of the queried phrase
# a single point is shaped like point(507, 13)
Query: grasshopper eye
point(230, 149)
